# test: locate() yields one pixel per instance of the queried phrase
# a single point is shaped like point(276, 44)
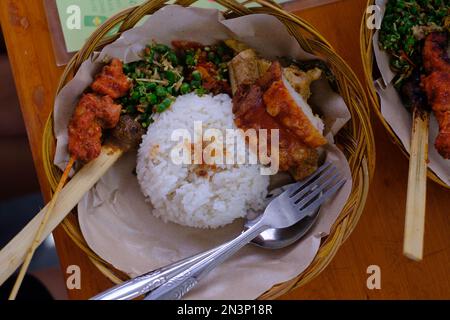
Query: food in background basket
point(415, 34)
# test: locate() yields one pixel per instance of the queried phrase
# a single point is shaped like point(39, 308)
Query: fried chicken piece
point(437, 86)
point(246, 68)
point(263, 100)
point(92, 114)
point(243, 69)
point(301, 80)
point(250, 113)
point(236, 45)
point(290, 109)
point(112, 81)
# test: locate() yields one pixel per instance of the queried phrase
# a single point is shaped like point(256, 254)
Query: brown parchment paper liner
point(396, 114)
point(115, 219)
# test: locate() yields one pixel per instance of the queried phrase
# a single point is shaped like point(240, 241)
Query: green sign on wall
point(79, 18)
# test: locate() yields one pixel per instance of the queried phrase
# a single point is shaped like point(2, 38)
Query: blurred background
point(20, 197)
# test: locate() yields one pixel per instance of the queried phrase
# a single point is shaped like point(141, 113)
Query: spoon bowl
point(278, 238)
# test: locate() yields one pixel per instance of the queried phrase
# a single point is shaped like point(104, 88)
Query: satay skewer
point(15, 252)
point(417, 187)
point(415, 98)
point(94, 112)
point(38, 236)
point(430, 90)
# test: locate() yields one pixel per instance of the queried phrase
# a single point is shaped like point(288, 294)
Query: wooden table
point(377, 240)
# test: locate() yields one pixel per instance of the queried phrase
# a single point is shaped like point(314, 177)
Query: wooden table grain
point(377, 240)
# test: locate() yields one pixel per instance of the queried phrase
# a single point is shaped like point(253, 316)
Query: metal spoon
point(292, 206)
point(269, 239)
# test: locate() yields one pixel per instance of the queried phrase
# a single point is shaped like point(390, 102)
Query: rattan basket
point(366, 43)
point(356, 139)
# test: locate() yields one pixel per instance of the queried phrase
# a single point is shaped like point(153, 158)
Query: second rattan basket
point(367, 55)
point(356, 139)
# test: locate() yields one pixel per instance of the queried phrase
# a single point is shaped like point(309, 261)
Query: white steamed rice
point(176, 192)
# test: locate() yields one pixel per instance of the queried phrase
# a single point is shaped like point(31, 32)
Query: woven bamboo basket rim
point(356, 138)
point(367, 55)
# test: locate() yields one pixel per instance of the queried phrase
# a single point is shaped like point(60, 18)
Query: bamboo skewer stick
point(38, 235)
point(417, 187)
point(15, 252)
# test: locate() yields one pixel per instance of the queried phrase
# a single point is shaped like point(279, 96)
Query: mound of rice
point(177, 192)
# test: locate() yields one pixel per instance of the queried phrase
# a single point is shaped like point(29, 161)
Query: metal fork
point(293, 205)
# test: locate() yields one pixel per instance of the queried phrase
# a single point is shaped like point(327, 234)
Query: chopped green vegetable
point(196, 75)
point(201, 91)
point(163, 105)
point(170, 76)
point(185, 88)
point(151, 85)
point(173, 58)
point(196, 83)
point(399, 34)
point(135, 95)
point(164, 73)
point(152, 98)
point(190, 60)
point(161, 48)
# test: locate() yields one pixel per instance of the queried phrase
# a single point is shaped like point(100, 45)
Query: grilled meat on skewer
point(437, 86)
point(412, 93)
point(92, 114)
point(97, 111)
point(112, 81)
point(435, 57)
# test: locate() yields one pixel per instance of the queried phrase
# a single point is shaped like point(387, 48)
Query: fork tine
point(324, 197)
point(315, 192)
point(299, 185)
point(310, 186)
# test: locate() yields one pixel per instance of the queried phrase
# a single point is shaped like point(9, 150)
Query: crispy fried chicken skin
point(92, 114)
point(437, 86)
point(250, 112)
point(281, 105)
point(112, 81)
